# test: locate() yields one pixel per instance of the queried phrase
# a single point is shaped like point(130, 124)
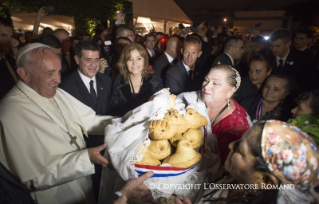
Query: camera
point(181, 26)
point(48, 9)
point(106, 52)
point(193, 29)
point(127, 10)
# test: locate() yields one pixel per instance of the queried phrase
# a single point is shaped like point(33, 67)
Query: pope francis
point(42, 132)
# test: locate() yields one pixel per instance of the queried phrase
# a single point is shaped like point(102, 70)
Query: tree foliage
point(83, 11)
point(5, 13)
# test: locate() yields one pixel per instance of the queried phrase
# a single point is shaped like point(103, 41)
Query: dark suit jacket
point(66, 68)
point(177, 76)
point(161, 66)
point(151, 60)
point(246, 89)
point(74, 65)
point(222, 59)
point(310, 62)
point(74, 85)
point(297, 68)
point(6, 79)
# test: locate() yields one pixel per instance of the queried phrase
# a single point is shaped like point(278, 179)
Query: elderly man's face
point(6, 34)
point(65, 40)
point(45, 74)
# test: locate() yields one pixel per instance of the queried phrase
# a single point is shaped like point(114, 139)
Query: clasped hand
point(96, 157)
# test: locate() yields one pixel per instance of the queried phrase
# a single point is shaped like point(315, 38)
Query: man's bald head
point(63, 36)
point(39, 68)
point(174, 46)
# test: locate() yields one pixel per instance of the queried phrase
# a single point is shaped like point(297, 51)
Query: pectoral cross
point(73, 141)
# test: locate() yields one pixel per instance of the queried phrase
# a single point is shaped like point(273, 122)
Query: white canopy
point(25, 21)
point(166, 10)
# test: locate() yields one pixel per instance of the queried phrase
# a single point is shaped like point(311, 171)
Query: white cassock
point(35, 144)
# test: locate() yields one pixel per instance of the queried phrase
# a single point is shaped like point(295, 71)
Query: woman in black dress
point(135, 84)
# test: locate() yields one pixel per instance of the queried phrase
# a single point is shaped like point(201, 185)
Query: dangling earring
point(228, 103)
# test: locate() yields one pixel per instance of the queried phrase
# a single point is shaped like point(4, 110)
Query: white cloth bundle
point(127, 136)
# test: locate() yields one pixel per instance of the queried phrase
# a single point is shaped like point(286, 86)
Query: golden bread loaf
point(160, 149)
point(175, 124)
point(172, 124)
point(148, 159)
point(184, 157)
point(174, 140)
point(193, 136)
point(194, 119)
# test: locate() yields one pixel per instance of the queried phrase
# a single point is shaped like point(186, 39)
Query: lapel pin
point(290, 63)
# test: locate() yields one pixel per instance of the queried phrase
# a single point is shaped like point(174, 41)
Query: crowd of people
point(58, 96)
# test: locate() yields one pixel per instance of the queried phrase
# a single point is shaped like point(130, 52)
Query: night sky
point(215, 10)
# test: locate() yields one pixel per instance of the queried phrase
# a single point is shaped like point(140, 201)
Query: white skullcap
point(26, 48)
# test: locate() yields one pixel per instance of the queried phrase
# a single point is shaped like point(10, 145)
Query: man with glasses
point(233, 50)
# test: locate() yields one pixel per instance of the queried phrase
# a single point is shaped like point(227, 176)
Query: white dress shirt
point(283, 59)
point(186, 67)
point(86, 80)
point(169, 58)
point(231, 59)
point(150, 52)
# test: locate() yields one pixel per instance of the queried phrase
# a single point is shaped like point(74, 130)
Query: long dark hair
point(263, 196)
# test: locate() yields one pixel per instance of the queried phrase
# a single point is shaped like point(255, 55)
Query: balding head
point(173, 47)
point(39, 68)
point(64, 38)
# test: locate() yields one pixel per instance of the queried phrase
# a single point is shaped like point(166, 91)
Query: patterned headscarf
point(291, 154)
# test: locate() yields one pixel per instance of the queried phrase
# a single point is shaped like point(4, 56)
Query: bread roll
point(184, 157)
point(193, 136)
point(148, 159)
point(160, 149)
point(174, 124)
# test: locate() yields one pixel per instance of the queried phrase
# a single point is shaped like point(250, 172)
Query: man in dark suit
point(289, 61)
point(91, 88)
point(181, 77)
point(302, 39)
point(233, 50)
point(67, 50)
point(301, 42)
point(150, 42)
point(169, 57)
point(8, 75)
